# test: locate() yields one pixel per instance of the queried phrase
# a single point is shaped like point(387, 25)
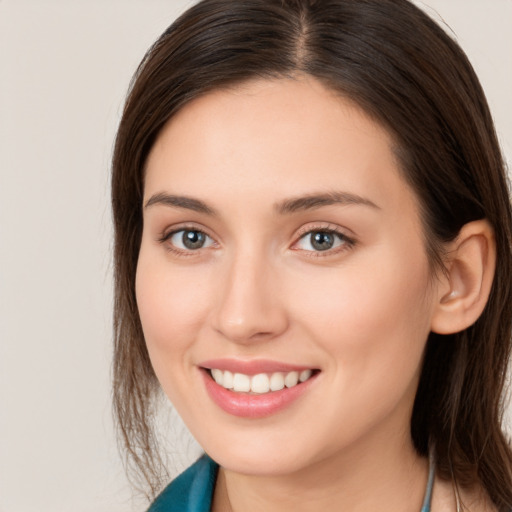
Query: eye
point(189, 239)
point(322, 240)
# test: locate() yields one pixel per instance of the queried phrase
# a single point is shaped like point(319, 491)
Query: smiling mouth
point(261, 383)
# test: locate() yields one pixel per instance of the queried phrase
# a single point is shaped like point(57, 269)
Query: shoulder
point(191, 491)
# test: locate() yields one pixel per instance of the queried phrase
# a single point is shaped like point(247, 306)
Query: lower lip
point(254, 406)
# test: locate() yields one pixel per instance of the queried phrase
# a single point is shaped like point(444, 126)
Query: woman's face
point(280, 241)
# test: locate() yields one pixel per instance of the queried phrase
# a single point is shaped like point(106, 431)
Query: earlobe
point(464, 289)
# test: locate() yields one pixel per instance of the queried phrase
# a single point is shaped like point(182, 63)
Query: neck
point(385, 475)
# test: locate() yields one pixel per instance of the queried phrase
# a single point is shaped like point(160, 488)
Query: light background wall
point(64, 69)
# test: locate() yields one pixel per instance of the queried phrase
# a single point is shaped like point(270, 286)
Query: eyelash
point(347, 242)
point(165, 238)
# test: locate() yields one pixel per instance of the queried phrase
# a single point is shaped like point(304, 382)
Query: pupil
point(193, 239)
point(322, 241)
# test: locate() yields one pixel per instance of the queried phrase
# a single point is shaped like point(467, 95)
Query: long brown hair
point(403, 70)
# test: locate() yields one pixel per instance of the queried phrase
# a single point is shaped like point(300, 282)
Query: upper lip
point(252, 367)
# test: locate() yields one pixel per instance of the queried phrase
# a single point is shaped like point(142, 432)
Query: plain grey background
point(64, 70)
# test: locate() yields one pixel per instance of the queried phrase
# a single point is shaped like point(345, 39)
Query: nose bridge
point(249, 306)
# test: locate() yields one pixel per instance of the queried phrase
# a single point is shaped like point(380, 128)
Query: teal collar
point(192, 491)
point(430, 485)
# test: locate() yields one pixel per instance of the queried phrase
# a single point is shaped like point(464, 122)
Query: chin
point(263, 464)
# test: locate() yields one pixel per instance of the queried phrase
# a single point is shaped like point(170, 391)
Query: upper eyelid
point(171, 230)
point(175, 232)
point(346, 234)
point(299, 233)
point(165, 240)
point(330, 227)
point(342, 236)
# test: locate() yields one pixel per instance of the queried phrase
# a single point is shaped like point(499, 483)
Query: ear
point(463, 291)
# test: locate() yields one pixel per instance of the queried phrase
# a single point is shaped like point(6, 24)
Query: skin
point(360, 312)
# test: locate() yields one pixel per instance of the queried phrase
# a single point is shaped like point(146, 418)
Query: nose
point(250, 306)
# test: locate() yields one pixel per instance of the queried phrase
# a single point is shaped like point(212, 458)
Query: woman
point(313, 260)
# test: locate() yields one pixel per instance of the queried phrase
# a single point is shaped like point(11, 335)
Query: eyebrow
point(302, 203)
point(188, 203)
point(313, 201)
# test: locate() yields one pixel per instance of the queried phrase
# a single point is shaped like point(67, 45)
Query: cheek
point(371, 322)
point(172, 305)
point(374, 311)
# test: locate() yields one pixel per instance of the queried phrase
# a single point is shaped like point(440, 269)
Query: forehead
point(280, 106)
point(274, 137)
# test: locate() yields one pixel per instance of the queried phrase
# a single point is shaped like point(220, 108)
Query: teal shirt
point(193, 490)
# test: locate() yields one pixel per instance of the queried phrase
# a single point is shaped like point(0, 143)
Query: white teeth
point(260, 383)
point(291, 379)
point(277, 381)
point(241, 382)
point(217, 375)
point(304, 375)
point(228, 380)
